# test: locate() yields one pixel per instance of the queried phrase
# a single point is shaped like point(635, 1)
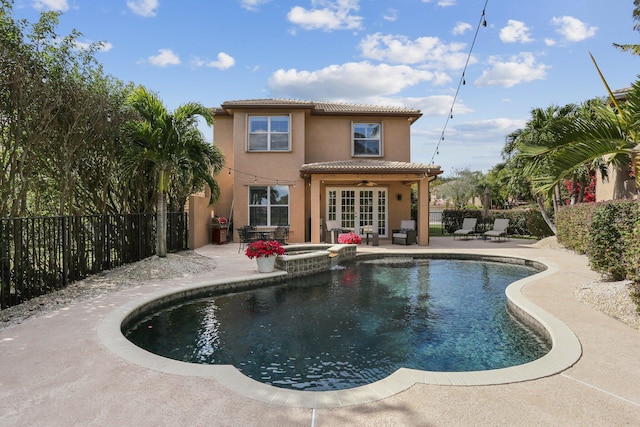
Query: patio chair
point(244, 236)
point(499, 229)
point(333, 228)
point(406, 234)
point(281, 233)
point(468, 228)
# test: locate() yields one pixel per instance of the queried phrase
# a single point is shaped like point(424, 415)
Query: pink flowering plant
point(349, 238)
point(262, 248)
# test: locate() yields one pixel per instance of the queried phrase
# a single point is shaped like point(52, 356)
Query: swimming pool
point(352, 326)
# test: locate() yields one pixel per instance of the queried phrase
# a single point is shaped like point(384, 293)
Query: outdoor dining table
point(261, 234)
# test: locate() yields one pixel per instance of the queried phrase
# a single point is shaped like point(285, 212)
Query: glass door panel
point(348, 211)
point(357, 208)
point(365, 217)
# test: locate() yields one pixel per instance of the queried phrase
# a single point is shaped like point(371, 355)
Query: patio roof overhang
point(378, 170)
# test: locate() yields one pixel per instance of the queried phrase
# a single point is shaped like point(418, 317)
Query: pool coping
point(565, 352)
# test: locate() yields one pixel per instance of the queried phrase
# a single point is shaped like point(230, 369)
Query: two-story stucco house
point(303, 163)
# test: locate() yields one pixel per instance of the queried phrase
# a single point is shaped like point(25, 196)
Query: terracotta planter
point(266, 264)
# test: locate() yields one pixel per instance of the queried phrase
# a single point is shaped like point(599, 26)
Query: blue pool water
point(352, 326)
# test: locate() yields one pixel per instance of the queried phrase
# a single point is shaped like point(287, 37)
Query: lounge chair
point(499, 229)
point(406, 235)
point(468, 228)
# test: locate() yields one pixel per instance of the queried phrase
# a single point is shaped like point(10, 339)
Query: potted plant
point(349, 238)
point(265, 253)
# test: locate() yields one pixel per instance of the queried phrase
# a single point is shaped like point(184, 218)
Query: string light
point(262, 178)
point(482, 22)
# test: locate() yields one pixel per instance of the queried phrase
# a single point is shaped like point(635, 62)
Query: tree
point(540, 131)
point(59, 123)
point(632, 48)
point(612, 133)
point(169, 147)
point(463, 187)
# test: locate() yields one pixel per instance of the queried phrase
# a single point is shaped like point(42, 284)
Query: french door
point(357, 207)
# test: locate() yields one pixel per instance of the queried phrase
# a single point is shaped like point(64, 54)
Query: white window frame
point(379, 138)
point(268, 205)
point(269, 133)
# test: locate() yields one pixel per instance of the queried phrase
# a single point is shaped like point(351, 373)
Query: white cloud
point(498, 126)
point(327, 15)
point(100, 46)
point(225, 61)
point(515, 32)
point(518, 69)
point(252, 5)
point(164, 58)
point(59, 5)
point(446, 3)
point(390, 15)
point(430, 52)
point(461, 28)
point(550, 42)
point(437, 105)
point(354, 80)
point(572, 29)
point(146, 8)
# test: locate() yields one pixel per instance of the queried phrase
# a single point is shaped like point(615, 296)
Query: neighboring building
point(302, 163)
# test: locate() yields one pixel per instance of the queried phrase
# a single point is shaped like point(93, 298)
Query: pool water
point(352, 326)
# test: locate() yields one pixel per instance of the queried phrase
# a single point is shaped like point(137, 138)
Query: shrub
point(632, 260)
point(452, 220)
point(573, 224)
point(610, 223)
point(536, 224)
point(522, 222)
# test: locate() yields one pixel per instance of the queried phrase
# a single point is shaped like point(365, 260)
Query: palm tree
point(611, 132)
point(634, 49)
point(169, 145)
point(539, 132)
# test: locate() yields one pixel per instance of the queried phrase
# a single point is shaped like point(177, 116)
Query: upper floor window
point(367, 139)
point(269, 133)
point(268, 205)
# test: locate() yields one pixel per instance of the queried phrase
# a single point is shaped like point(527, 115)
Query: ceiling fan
point(367, 184)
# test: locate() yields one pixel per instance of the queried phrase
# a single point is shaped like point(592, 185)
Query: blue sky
point(408, 53)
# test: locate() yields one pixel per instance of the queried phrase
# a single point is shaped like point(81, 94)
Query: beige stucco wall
point(314, 138)
point(260, 168)
point(329, 138)
point(618, 185)
point(199, 221)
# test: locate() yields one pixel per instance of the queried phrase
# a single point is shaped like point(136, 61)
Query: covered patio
point(371, 194)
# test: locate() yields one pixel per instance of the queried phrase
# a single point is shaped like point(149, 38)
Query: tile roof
point(372, 166)
point(320, 107)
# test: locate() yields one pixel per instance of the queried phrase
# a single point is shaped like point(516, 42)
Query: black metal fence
point(41, 255)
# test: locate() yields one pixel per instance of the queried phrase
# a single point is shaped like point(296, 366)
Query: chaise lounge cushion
point(468, 227)
point(499, 229)
point(406, 235)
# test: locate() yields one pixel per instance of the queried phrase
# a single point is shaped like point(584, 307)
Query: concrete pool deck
point(55, 370)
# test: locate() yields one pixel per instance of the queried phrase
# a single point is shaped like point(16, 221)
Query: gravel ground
point(611, 298)
point(183, 264)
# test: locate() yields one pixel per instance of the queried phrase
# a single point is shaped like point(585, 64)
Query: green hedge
point(573, 224)
point(522, 222)
point(611, 225)
point(609, 233)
